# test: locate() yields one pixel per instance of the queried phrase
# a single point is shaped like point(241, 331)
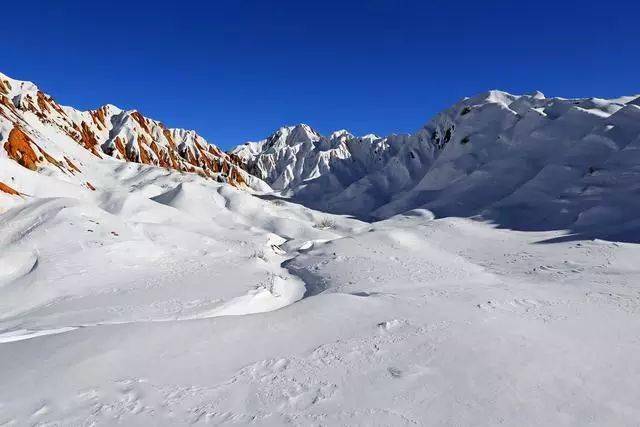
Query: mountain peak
point(339, 134)
point(52, 137)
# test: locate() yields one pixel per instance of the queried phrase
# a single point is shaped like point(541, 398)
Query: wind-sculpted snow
point(412, 321)
point(525, 162)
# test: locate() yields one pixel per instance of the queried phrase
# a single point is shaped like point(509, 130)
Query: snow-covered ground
point(502, 285)
point(114, 311)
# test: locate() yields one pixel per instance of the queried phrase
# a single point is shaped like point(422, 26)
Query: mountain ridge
point(40, 134)
point(523, 161)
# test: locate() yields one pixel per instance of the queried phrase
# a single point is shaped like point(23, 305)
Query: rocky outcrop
point(8, 190)
point(19, 148)
point(28, 115)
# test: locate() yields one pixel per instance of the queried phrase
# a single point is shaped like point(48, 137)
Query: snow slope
point(525, 162)
point(411, 322)
point(133, 293)
point(158, 231)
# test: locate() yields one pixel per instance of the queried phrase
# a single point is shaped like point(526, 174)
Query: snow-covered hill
point(134, 291)
point(70, 145)
point(526, 162)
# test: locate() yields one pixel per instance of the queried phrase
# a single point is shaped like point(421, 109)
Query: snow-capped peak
point(340, 134)
point(12, 87)
point(370, 137)
point(537, 95)
point(492, 140)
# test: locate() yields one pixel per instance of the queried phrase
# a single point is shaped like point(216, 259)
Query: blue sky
point(237, 70)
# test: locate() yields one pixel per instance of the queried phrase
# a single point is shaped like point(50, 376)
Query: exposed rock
point(125, 135)
point(6, 189)
point(18, 147)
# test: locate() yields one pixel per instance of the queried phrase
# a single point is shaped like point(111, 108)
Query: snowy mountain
point(146, 278)
point(525, 161)
point(41, 135)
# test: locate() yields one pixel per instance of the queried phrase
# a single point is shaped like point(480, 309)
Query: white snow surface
point(408, 321)
point(166, 298)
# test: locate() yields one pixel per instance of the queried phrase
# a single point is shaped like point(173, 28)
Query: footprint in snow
point(394, 372)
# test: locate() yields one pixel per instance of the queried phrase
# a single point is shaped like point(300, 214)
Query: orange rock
point(152, 148)
point(142, 121)
point(235, 159)
point(88, 139)
point(144, 153)
point(215, 151)
point(235, 178)
point(163, 158)
point(18, 147)
point(190, 157)
point(4, 87)
point(4, 100)
point(43, 102)
point(120, 147)
point(58, 108)
point(71, 165)
point(175, 164)
point(99, 118)
point(167, 134)
point(5, 188)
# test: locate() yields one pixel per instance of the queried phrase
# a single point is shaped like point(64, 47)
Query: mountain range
point(525, 162)
point(41, 135)
point(480, 271)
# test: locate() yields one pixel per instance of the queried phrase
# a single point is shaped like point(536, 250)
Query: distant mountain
point(523, 161)
point(41, 135)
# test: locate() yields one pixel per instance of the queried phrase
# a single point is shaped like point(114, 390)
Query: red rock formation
point(71, 165)
point(142, 121)
point(98, 117)
point(236, 178)
point(18, 147)
point(42, 102)
point(143, 155)
point(5, 188)
point(167, 134)
point(88, 139)
point(5, 87)
point(107, 130)
point(120, 147)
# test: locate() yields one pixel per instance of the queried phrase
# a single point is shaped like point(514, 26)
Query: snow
point(24, 334)
point(498, 284)
point(411, 321)
point(494, 155)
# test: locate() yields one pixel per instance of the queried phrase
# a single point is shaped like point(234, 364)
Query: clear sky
point(237, 70)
